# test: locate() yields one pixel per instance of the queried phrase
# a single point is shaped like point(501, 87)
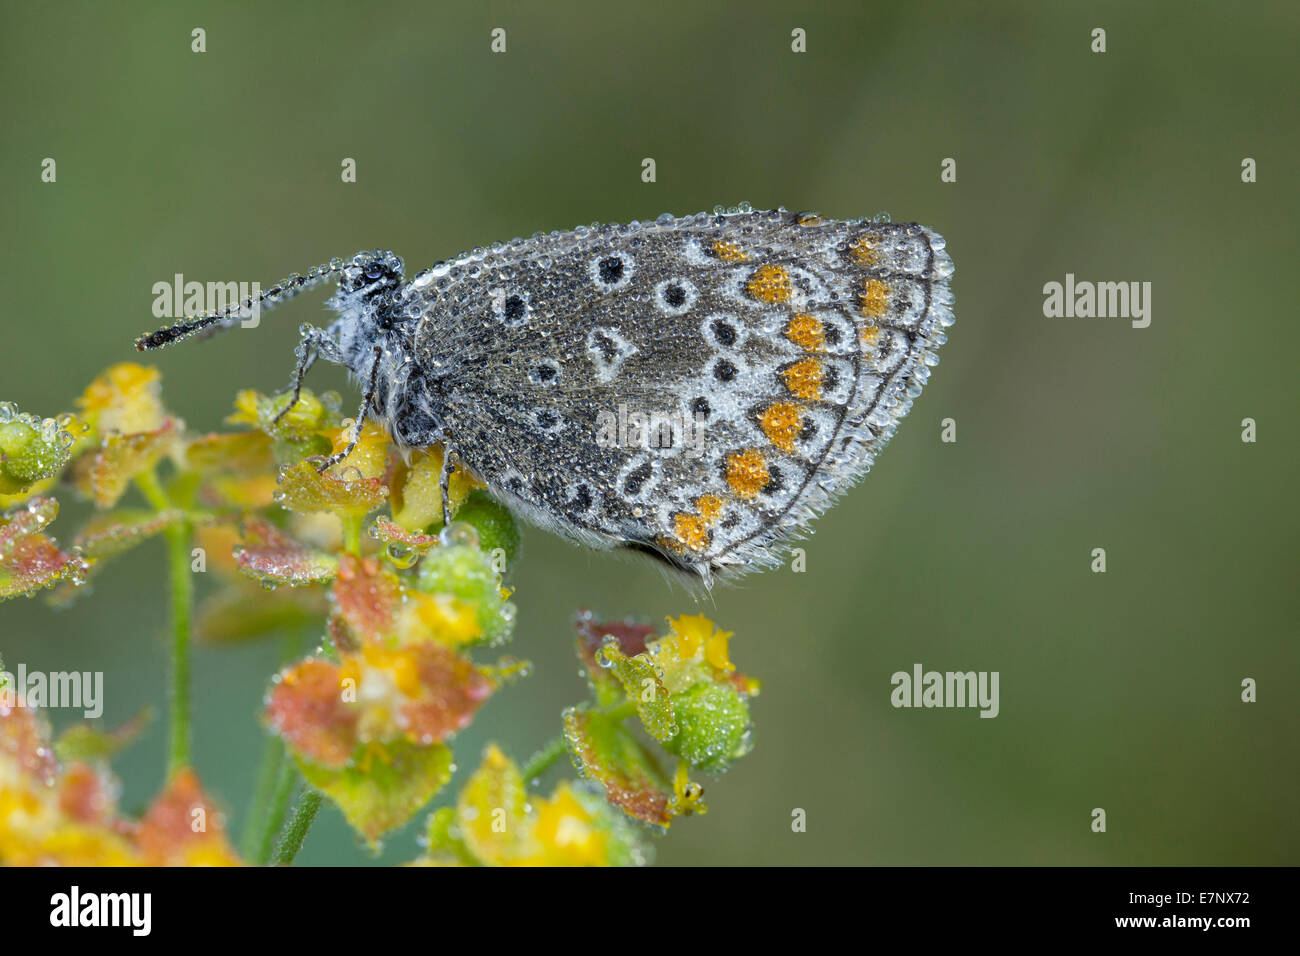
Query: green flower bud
point(498, 534)
point(30, 450)
point(713, 726)
point(465, 572)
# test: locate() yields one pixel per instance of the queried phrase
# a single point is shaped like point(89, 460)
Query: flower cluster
point(58, 804)
point(405, 619)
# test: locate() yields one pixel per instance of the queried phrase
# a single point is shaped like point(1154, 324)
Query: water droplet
point(459, 533)
point(401, 555)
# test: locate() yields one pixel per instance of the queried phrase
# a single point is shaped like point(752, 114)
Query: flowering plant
point(407, 615)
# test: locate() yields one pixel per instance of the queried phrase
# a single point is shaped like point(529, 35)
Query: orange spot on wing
point(780, 423)
point(709, 507)
point(691, 530)
point(863, 251)
point(729, 251)
point(807, 332)
point(804, 379)
point(875, 298)
point(870, 336)
point(770, 284)
point(747, 473)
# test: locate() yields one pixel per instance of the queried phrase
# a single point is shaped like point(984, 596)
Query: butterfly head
point(371, 274)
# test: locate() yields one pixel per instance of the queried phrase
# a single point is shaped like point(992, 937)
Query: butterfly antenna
point(214, 322)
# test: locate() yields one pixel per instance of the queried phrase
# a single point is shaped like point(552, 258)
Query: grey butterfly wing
point(698, 387)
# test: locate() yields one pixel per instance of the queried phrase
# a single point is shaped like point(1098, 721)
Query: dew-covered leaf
point(87, 741)
point(387, 532)
point(306, 708)
point(269, 554)
point(109, 534)
point(641, 684)
point(608, 753)
point(29, 560)
point(366, 597)
point(244, 452)
point(121, 457)
point(305, 490)
point(34, 516)
point(384, 785)
point(592, 634)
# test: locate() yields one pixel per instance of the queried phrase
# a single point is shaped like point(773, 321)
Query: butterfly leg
point(449, 458)
point(312, 344)
point(367, 402)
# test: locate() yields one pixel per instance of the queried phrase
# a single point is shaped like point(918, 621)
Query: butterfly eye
point(375, 270)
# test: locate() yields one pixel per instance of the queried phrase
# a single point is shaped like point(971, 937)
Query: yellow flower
point(693, 641)
point(308, 415)
point(35, 831)
point(496, 823)
point(695, 632)
point(566, 833)
point(417, 496)
point(395, 662)
point(125, 399)
point(370, 456)
point(441, 617)
point(385, 681)
point(246, 412)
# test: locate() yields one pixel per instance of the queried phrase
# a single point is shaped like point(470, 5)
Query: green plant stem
point(181, 582)
point(275, 782)
point(557, 746)
point(296, 831)
point(259, 808)
point(543, 759)
point(277, 806)
point(352, 535)
point(264, 820)
point(182, 586)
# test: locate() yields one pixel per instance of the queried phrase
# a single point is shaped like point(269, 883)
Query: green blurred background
point(1118, 690)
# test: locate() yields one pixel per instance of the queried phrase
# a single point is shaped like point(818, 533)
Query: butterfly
point(697, 389)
